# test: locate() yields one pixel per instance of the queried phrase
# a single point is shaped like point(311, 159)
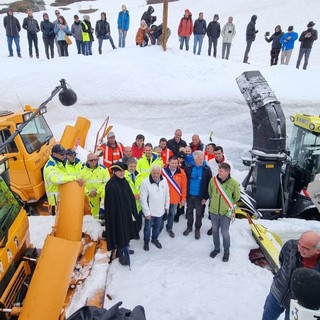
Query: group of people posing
point(139, 181)
point(58, 32)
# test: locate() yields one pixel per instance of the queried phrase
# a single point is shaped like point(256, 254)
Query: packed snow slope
point(149, 91)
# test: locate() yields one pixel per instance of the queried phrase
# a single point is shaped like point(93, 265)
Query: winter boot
point(225, 257)
point(214, 253)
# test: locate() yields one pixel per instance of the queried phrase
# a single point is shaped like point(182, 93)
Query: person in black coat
point(302, 253)
point(306, 38)
point(250, 36)
point(31, 25)
point(48, 35)
point(148, 17)
point(12, 26)
point(120, 213)
point(103, 31)
point(276, 44)
point(213, 32)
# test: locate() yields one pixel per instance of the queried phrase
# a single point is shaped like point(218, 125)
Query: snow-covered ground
point(148, 91)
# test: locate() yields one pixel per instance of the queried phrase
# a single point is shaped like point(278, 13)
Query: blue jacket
point(123, 20)
point(288, 44)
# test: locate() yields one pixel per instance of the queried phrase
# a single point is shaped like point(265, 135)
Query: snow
point(148, 91)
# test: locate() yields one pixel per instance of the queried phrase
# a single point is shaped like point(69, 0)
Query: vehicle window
point(10, 147)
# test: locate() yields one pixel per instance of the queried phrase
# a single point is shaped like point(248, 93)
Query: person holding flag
point(224, 192)
point(177, 182)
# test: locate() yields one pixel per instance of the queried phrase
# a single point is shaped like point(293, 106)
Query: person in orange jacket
point(165, 153)
point(185, 29)
point(142, 38)
point(112, 150)
point(177, 182)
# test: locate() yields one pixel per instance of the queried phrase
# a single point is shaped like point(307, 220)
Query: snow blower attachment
point(276, 175)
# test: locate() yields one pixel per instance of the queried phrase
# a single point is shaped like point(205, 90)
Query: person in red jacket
point(138, 146)
point(185, 29)
point(112, 150)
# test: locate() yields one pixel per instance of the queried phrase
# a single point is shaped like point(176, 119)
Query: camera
point(267, 34)
point(229, 31)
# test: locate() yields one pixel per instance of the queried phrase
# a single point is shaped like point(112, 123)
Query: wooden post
point(165, 25)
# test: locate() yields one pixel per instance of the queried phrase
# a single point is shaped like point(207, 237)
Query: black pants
point(63, 48)
point(49, 44)
point(33, 38)
point(246, 53)
point(274, 56)
point(214, 42)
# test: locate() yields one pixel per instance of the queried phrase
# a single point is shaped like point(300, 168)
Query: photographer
point(228, 32)
point(307, 38)
point(276, 45)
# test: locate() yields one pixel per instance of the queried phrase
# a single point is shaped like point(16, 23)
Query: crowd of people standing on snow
point(58, 32)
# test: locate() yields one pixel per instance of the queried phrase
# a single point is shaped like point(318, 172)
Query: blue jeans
point(272, 309)
point(186, 41)
point(87, 48)
point(222, 222)
point(122, 38)
point(16, 40)
point(79, 44)
point(171, 215)
point(105, 37)
point(198, 38)
point(155, 224)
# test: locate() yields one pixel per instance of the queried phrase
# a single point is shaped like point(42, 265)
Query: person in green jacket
point(148, 160)
point(135, 179)
point(95, 177)
point(220, 210)
point(54, 174)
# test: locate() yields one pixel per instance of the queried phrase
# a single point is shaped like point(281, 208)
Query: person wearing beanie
point(276, 44)
point(142, 38)
point(123, 25)
point(48, 35)
point(213, 32)
point(87, 36)
point(12, 26)
point(306, 38)
point(287, 44)
point(120, 213)
point(250, 36)
point(185, 29)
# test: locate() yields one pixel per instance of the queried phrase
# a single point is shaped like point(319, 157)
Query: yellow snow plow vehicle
point(26, 140)
point(33, 286)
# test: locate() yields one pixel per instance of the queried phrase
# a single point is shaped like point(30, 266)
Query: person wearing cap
point(185, 29)
point(12, 26)
point(72, 163)
point(76, 31)
point(148, 159)
point(287, 44)
point(103, 31)
point(95, 177)
point(276, 44)
point(112, 150)
point(176, 142)
point(155, 201)
point(31, 25)
point(123, 25)
point(48, 35)
point(142, 38)
point(120, 213)
point(177, 182)
point(87, 36)
point(213, 32)
point(54, 174)
point(306, 38)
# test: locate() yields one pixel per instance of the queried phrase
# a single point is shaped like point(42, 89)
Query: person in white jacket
point(154, 200)
point(228, 32)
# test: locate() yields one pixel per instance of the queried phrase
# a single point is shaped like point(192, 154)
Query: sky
point(149, 91)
